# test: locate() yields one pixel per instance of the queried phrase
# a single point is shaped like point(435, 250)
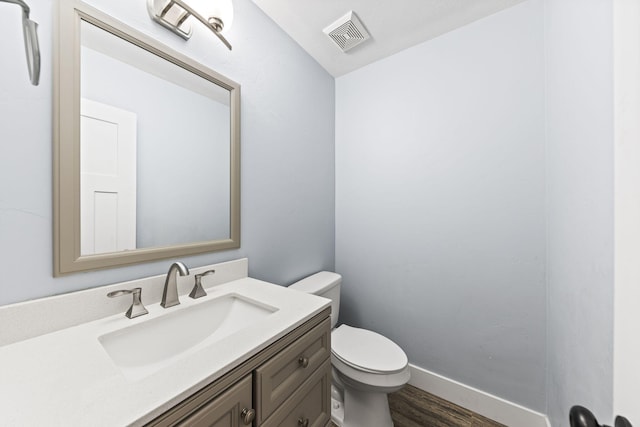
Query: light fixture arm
point(204, 21)
point(159, 14)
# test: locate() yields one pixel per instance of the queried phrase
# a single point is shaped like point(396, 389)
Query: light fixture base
point(173, 19)
point(174, 14)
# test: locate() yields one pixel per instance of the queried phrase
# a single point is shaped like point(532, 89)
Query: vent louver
point(347, 32)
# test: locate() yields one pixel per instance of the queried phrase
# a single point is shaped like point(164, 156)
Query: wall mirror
point(146, 148)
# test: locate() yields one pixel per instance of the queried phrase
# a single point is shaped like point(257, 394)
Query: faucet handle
point(136, 309)
point(198, 290)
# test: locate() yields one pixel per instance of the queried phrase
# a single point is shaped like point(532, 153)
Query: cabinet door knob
point(304, 362)
point(303, 422)
point(247, 415)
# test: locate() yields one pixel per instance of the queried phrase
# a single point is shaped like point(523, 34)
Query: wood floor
point(412, 407)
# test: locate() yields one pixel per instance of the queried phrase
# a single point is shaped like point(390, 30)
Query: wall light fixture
point(217, 15)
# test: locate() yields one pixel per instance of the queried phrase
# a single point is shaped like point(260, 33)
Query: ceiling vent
point(347, 32)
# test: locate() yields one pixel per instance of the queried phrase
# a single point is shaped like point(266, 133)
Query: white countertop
point(66, 378)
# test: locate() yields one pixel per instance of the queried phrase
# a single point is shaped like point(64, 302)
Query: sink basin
point(145, 348)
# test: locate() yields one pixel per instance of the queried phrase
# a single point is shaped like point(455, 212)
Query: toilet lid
point(367, 350)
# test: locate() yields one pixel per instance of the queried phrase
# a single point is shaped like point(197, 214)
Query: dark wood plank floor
point(412, 407)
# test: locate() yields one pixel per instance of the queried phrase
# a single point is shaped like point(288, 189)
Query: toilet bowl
point(366, 365)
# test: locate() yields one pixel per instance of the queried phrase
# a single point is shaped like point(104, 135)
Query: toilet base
point(363, 409)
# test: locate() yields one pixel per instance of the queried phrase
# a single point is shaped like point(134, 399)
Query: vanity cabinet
point(309, 406)
point(288, 384)
point(232, 408)
point(277, 379)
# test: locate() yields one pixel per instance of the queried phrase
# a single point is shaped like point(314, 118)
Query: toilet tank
point(325, 284)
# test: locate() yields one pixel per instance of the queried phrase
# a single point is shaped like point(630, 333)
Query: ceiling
point(393, 25)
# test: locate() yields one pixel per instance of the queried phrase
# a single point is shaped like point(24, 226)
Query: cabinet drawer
point(226, 410)
point(279, 377)
point(310, 404)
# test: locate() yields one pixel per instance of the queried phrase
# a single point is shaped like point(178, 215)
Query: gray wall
point(579, 79)
point(287, 152)
point(440, 231)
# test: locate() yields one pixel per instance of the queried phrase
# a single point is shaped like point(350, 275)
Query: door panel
point(108, 178)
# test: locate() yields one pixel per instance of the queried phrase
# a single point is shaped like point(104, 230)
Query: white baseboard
point(485, 404)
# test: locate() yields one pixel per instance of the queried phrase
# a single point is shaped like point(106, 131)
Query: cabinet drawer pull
point(303, 422)
point(248, 415)
point(304, 362)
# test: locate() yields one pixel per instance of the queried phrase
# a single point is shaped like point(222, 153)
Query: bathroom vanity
point(290, 381)
point(248, 353)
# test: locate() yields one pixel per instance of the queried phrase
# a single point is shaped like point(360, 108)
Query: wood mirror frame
point(66, 147)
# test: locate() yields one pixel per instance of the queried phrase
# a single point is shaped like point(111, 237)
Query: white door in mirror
point(108, 178)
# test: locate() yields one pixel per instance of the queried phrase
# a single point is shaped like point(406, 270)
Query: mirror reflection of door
point(108, 178)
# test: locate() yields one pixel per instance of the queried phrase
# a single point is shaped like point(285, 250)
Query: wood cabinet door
point(277, 379)
point(230, 409)
point(310, 404)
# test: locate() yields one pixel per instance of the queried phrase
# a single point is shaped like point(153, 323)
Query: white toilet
point(366, 365)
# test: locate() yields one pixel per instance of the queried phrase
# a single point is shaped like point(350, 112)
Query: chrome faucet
point(170, 293)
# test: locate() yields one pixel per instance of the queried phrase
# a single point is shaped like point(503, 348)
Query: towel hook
point(31, 45)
